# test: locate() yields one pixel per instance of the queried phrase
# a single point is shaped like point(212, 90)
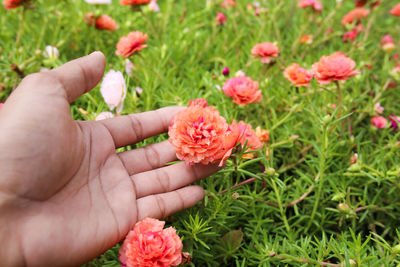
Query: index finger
point(130, 129)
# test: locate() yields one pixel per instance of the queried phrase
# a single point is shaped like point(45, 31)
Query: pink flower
point(387, 43)
point(153, 6)
point(265, 51)
point(225, 71)
point(395, 121)
point(317, 6)
point(134, 41)
point(355, 15)
point(335, 67)
point(129, 67)
point(395, 11)
point(104, 115)
point(243, 90)
point(249, 137)
point(378, 108)
point(148, 245)
point(350, 36)
point(297, 75)
point(113, 90)
point(221, 18)
point(199, 134)
point(378, 122)
point(10, 4)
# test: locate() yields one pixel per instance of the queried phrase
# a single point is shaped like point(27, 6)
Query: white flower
point(113, 90)
point(104, 115)
point(153, 6)
point(51, 52)
point(98, 2)
point(240, 73)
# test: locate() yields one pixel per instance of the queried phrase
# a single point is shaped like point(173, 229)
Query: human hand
point(66, 196)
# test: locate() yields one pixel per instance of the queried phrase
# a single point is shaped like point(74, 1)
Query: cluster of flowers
point(200, 134)
point(380, 122)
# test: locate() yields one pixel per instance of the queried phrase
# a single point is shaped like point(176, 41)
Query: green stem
point(339, 98)
point(278, 199)
point(21, 27)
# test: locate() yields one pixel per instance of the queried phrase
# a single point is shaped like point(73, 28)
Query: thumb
point(80, 75)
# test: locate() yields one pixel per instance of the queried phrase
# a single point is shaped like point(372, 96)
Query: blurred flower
point(228, 3)
point(335, 67)
point(354, 159)
point(395, 121)
point(102, 22)
point(378, 108)
point(240, 73)
point(10, 4)
point(316, 5)
point(305, 39)
point(201, 135)
point(378, 122)
point(355, 16)
point(104, 115)
point(148, 245)
point(395, 73)
point(138, 90)
point(134, 2)
point(297, 75)
point(221, 18)
point(98, 2)
point(395, 11)
point(129, 67)
point(387, 43)
point(262, 134)
point(201, 102)
point(51, 52)
point(225, 71)
point(350, 36)
point(134, 41)
point(153, 6)
point(243, 90)
point(265, 51)
point(113, 90)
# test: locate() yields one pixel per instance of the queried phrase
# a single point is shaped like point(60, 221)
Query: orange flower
point(228, 3)
point(243, 90)
point(134, 41)
point(201, 135)
point(249, 136)
point(317, 6)
point(355, 15)
point(102, 22)
point(305, 39)
point(395, 10)
point(265, 51)
point(10, 4)
point(148, 244)
point(262, 134)
point(134, 2)
point(297, 75)
point(335, 67)
point(201, 102)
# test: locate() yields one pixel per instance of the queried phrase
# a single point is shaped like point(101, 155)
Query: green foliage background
point(309, 150)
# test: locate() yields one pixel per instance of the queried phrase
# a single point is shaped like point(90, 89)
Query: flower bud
point(396, 249)
point(343, 207)
point(270, 171)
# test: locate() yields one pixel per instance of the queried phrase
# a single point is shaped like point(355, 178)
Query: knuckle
point(161, 206)
point(136, 126)
point(164, 180)
point(152, 156)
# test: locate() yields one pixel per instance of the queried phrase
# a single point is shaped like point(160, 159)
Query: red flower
point(221, 18)
point(148, 244)
point(10, 4)
point(102, 22)
point(243, 90)
point(335, 67)
point(134, 41)
point(350, 35)
point(200, 134)
point(297, 75)
point(134, 2)
point(355, 15)
point(395, 10)
point(265, 51)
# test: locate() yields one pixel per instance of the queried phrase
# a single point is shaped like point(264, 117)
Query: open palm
point(66, 196)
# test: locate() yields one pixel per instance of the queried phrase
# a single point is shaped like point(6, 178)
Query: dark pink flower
point(350, 36)
point(378, 122)
point(395, 121)
point(225, 71)
point(221, 18)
